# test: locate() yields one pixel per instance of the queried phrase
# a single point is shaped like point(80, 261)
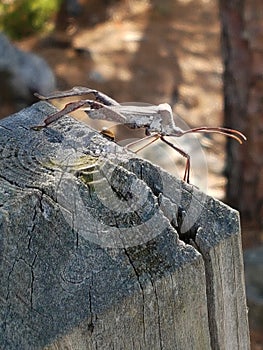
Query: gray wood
point(91, 248)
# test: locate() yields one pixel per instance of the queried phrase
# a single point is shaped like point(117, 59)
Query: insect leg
point(70, 107)
point(184, 154)
point(75, 91)
point(79, 91)
point(155, 138)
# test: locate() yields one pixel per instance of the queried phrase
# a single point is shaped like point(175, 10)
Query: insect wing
point(110, 113)
point(139, 116)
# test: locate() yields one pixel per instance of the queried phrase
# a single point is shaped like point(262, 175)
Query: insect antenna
point(234, 134)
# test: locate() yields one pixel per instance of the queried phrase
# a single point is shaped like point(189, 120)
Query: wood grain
point(93, 252)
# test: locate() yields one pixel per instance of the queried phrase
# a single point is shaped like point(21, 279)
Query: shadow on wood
point(93, 252)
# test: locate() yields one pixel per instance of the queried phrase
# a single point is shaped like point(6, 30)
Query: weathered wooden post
point(93, 252)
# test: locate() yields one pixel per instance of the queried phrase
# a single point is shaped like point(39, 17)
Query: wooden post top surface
point(100, 249)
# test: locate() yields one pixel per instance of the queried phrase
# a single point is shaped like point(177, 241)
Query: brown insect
point(157, 121)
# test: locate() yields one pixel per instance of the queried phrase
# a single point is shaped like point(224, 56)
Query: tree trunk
point(241, 26)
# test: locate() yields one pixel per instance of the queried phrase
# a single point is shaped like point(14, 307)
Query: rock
point(22, 74)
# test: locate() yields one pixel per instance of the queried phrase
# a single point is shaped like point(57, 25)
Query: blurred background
point(203, 57)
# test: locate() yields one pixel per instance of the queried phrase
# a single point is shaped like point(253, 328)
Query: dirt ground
point(169, 52)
